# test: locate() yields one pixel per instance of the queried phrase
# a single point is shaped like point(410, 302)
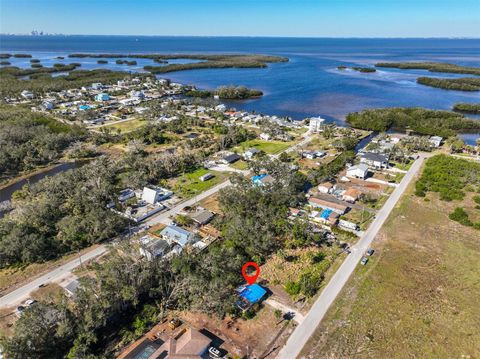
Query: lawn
point(240, 165)
point(418, 295)
point(189, 184)
point(127, 126)
point(270, 147)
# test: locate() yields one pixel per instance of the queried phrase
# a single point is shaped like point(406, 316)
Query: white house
point(436, 141)
point(265, 136)
point(375, 160)
point(358, 171)
point(316, 124)
point(326, 187)
point(221, 108)
point(250, 153)
point(153, 195)
point(137, 95)
point(206, 177)
point(27, 95)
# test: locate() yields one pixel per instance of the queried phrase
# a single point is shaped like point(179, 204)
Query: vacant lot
point(418, 295)
point(270, 147)
point(189, 184)
point(127, 126)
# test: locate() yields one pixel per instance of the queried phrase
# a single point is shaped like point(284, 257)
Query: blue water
point(308, 85)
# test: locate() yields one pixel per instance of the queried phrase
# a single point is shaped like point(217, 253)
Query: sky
point(296, 18)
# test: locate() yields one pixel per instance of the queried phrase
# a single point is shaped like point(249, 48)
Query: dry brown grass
point(416, 298)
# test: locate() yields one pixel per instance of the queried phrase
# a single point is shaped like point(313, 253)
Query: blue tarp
point(253, 293)
point(326, 213)
point(258, 179)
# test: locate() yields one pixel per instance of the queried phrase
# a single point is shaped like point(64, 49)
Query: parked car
point(214, 353)
point(29, 302)
point(370, 252)
point(364, 261)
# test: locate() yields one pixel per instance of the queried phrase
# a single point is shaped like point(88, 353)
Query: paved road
point(20, 294)
point(302, 333)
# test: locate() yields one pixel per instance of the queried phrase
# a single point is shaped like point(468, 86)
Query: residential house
point(97, 86)
point(375, 160)
point(316, 124)
point(189, 343)
point(325, 187)
point(154, 194)
point(265, 136)
point(126, 194)
point(230, 158)
point(206, 177)
point(262, 179)
point(174, 234)
point(221, 108)
point(71, 288)
point(436, 141)
point(348, 225)
point(152, 247)
point(250, 153)
point(249, 295)
point(102, 97)
point(351, 195)
point(202, 217)
point(321, 203)
point(137, 95)
point(358, 171)
point(27, 95)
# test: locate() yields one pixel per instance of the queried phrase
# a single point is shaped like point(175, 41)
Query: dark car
point(370, 252)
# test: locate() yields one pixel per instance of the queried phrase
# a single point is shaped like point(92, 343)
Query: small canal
point(6, 193)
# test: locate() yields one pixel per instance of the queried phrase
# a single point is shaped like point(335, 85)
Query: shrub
point(459, 215)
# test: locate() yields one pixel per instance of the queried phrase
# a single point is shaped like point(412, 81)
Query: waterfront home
point(174, 234)
point(436, 141)
point(358, 171)
point(316, 124)
point(321, 203)
point(221, 108)
point(154, 194)
point(375, 160)
point(250, 153)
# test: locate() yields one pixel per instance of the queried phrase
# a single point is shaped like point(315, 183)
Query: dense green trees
point(227, 93)
point(460, 84)
point(467, 107)
point(432, 67)
point(419, 120)
point(29, 140)
point(448, 176)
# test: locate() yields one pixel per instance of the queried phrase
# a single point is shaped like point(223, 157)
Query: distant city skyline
point(300, 18)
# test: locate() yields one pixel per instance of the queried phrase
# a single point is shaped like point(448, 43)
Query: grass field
point(127, 126)
point(189, 184)
point(418, 295)
point(270, 147)
point(240, 165)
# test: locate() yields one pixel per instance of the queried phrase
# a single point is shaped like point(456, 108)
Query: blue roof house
point(174, 234)
point(249, 295)
point(102, 97)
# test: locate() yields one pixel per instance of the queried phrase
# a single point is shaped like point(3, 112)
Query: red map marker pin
point(250, 278)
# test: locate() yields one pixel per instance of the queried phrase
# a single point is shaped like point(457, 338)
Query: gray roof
point(176, 234)
point(231, 158)
point(203, 217)
point(72, 286)
point(158, 245)
point(361, 166)
point(377, 157)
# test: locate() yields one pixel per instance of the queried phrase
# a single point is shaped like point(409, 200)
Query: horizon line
point(256, 36)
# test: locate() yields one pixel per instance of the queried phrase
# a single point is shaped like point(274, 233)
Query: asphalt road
point(304, 331)
point(20, 294)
